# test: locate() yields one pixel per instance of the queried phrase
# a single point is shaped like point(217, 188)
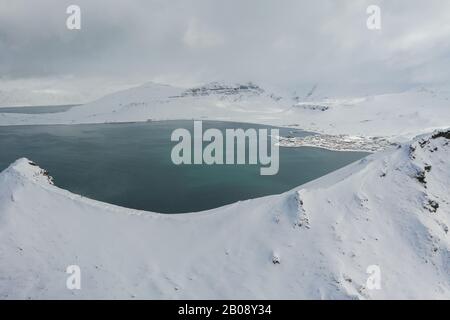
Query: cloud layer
point(288, 43)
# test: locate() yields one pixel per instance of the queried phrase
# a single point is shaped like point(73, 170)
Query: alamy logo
point(374, 280)
point(259, 143)
point(374, 19)
point(73, 282)
point(73, 22)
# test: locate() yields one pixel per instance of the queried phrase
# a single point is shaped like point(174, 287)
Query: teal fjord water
point(130, 165)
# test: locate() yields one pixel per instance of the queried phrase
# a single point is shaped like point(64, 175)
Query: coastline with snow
point(358, 124)
point(316, 241)
point(337, 142)
point(323, 236)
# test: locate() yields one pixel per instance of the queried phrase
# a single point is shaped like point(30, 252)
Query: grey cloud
point(289, 43)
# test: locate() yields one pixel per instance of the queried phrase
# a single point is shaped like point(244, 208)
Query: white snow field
point(397, 117)
point(391, 209)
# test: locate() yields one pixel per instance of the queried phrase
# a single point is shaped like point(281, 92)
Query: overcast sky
point(286, 43)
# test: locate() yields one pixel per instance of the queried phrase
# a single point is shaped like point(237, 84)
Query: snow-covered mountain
point(398, 116)
point(56, 91)
point(45, 97)
point(390, 210)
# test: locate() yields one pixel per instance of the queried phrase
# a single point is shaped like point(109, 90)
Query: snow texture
point(391, 209)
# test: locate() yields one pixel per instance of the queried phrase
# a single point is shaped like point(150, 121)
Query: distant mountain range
point(396, 116)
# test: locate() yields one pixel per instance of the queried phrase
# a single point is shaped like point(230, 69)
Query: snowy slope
point(391, 209)
point(164, 102)
point(57, 91)
point(398, 116)
point(44, 97)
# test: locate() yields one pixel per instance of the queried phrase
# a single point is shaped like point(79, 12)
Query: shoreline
point(323, 143)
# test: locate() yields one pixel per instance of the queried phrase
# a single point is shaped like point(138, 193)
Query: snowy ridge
point(234, 91)
point(217, 88)
point(391, 209)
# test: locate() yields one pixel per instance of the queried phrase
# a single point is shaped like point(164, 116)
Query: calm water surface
point(130, 165)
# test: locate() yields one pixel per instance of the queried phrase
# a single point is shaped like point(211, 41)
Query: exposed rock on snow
point(276, 259)
point(370, 213)
point(219, 89)
point(303, 220)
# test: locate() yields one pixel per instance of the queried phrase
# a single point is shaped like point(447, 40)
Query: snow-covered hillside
point(396, 116)
point(43, 97)
point(391, 209)
point(57, 91)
